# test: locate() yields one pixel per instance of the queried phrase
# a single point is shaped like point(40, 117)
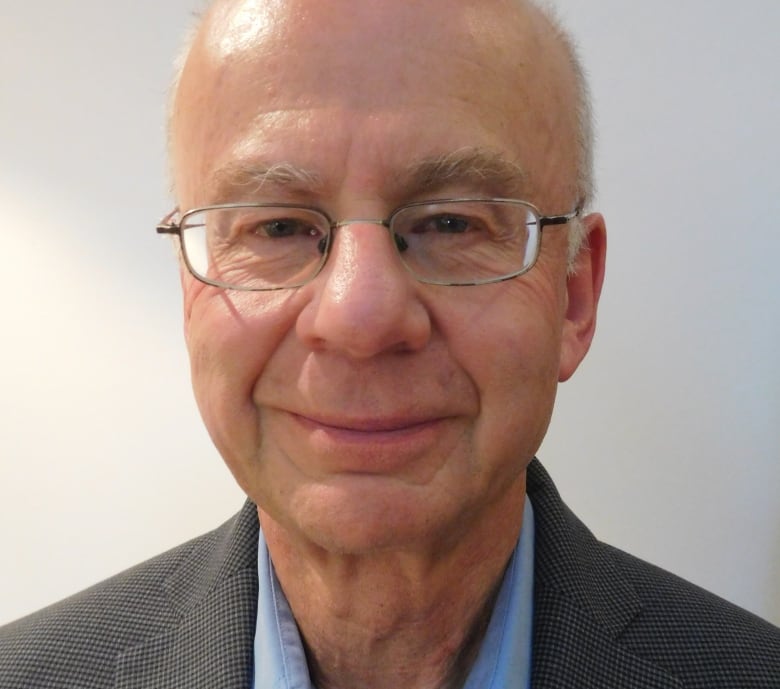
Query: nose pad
point(364, 301)
point(400, 243)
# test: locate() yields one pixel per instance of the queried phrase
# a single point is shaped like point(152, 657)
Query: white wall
point(666, 442)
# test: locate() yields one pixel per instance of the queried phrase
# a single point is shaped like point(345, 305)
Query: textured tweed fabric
point(186, 619)
point(605, 619)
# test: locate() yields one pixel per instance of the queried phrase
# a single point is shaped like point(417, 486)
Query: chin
point(367, 519)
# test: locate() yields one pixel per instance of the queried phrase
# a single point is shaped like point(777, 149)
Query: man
point(387, 268)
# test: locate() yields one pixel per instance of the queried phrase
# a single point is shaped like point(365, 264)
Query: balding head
point(518, 47)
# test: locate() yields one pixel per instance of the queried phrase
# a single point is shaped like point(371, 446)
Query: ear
point(583, 289)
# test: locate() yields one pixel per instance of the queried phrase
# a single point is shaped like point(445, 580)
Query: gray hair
point(585, 133)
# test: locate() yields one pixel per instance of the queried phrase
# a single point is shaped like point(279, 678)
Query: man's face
point(365, 410)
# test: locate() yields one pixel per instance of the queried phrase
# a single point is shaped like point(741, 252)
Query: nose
point(364, 302)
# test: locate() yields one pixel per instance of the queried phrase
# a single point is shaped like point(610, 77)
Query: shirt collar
point(504, 659)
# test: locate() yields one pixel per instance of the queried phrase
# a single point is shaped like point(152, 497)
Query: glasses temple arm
point(168, 225)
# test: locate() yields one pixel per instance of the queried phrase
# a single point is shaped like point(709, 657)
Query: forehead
point(360, 36)
point(266, 78)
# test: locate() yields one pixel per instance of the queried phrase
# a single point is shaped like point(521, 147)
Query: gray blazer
point(602, 619)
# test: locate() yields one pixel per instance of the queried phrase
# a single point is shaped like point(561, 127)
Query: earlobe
point(583, 289)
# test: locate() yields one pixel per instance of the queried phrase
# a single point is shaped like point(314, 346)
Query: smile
point(369, 427)
point(370, 445)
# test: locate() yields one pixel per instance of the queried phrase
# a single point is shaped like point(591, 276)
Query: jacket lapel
point(582, 603)
point(214, 596)
point(572, 651)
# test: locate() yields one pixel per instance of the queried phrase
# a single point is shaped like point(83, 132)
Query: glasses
point(261, 246)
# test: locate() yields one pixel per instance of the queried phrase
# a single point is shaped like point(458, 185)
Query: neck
point(393, 618)
point(431, 648)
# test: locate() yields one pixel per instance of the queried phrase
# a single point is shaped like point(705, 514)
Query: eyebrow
point(473, 170)
point(476, 170)
point(245, 178)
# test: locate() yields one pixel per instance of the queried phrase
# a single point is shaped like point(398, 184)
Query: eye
point(284, 227)
point(446, 224)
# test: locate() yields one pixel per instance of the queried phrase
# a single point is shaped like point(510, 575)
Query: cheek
point(514, 327)
point(230, 337)
point(510, 348)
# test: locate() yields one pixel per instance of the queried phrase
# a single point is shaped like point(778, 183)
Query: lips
point(390, 444)
point(387, 424)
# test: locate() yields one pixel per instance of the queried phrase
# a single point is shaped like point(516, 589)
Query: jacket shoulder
point(595, 605)
point(700, 637)
point(73, 643)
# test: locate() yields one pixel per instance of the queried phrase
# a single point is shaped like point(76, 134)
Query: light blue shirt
point(503, 662)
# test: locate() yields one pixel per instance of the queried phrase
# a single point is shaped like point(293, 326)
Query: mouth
point(368, 426)
point(388, 444)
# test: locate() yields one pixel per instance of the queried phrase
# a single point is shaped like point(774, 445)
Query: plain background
point(666, 442)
